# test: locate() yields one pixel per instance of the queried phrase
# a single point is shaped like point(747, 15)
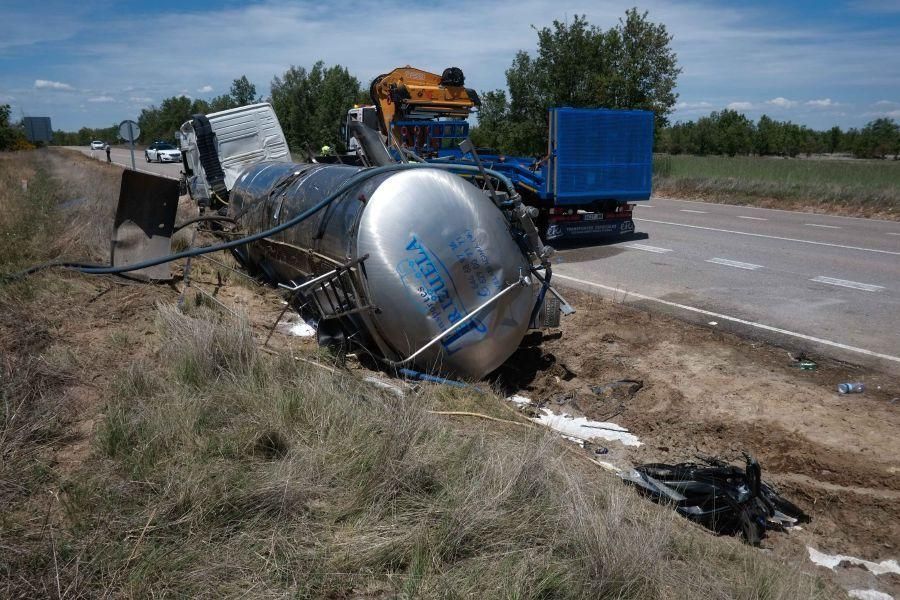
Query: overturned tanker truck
point(414, 264)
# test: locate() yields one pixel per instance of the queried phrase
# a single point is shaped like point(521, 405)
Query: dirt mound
point(689, 391)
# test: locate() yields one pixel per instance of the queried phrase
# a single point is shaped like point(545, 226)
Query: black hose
point(203, 218)
point(111, 270)
point(92, 269)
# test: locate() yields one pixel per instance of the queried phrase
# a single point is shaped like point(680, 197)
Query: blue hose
point(411, 374)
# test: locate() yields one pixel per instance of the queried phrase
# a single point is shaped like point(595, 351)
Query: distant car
point(98, 145)
point(162, 152)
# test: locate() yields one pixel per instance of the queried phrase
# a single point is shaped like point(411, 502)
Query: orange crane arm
point(407, 92)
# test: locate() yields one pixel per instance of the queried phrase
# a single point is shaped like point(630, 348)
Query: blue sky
point(94, 63)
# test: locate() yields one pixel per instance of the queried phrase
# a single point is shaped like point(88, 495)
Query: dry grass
point(217, 471)
point(272, 474)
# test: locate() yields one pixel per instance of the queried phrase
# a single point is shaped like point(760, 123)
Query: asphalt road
point(827, 284)
point(122, 156)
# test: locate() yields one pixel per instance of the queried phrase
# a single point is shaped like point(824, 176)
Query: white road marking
point(735, 319)
point(647, 248)
point(822, 226)
point(772, 237)
point(866, 287)
point(892, 233)
point(645, 205)
point(752, 218)
point(734, 263)
point(699, 212)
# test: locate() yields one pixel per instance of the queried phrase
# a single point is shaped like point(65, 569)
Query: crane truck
point(598, 161)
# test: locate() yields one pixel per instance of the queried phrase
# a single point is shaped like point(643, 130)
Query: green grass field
point(851, 187)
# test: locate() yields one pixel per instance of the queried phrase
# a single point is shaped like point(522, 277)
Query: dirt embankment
point(704, 392)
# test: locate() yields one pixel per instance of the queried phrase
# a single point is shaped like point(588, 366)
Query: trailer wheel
point(550, 311)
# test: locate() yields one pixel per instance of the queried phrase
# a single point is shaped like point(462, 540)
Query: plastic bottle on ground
point(851, 388)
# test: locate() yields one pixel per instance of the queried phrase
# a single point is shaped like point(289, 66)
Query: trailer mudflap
point(145, 221)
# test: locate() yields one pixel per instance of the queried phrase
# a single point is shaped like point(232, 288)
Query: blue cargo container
point(599, 154)
point(598, 161)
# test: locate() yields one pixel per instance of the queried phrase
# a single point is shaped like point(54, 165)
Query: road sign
point(129, 131)
point(37, 129)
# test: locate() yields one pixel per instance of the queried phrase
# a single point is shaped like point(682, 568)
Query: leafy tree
point(491, 129)
point(643, 69)
point(767, 138)
point(735, 133)
point(878, 139)
point(833, 141)
point(243, 92)
point(312, 105)
point(581, 65)
point(8, 135)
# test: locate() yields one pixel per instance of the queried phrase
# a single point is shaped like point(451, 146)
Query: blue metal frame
point(595, 154)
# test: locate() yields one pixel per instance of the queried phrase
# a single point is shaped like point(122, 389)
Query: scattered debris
point(623, 389)
point(584, 429)
point(719, 496)
point(851, 388)
point(803, 362)
point(576, 429)
point(713, 323)
point(869, 595)
point(384, 385)
point(519, 400)
point(297, 327)
point(831, 561)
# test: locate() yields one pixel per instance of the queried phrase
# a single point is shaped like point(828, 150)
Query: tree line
point(731, 133)
point(577, 64)
point(630, 66)
point(310, 105)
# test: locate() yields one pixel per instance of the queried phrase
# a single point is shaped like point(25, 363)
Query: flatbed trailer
point(599, 162)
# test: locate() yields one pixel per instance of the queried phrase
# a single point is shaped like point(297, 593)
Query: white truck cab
point(218, 146)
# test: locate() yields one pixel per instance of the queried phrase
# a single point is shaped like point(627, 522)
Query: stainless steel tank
point(422, 249)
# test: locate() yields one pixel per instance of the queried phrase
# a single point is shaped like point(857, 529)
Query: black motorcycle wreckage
point(721, 497)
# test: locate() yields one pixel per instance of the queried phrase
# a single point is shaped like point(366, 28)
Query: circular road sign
point(129, 131)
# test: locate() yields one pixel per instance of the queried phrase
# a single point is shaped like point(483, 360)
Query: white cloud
point(887, 103)
point(823, 103)
point(727, 50)
point(782, 102)
point(44, 84)
point(205, 89)
point(740, 106)
point(141, 99)
point(101, 99)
